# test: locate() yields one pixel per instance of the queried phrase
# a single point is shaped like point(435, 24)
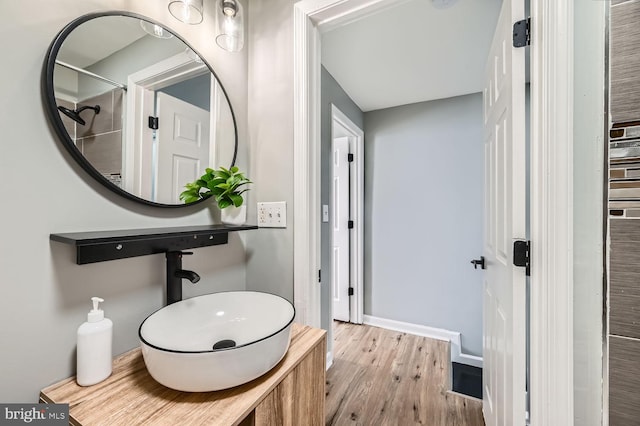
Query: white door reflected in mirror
point(183, 146)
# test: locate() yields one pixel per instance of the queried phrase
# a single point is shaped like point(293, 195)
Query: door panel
point(504, 295)
point(340, 231)
point(183, 146)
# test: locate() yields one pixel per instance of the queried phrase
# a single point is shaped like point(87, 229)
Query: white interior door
point(504, 350)
point(183, 146)
point(339, 229)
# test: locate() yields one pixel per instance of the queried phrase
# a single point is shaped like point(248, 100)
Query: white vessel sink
point(216, 341)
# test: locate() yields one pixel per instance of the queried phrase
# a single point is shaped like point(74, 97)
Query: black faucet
point(175, 275)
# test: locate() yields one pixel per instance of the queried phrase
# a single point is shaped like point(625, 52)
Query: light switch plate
point(325, 213)
point(272, 214)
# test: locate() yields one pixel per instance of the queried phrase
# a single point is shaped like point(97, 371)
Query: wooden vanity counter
point(292, 393)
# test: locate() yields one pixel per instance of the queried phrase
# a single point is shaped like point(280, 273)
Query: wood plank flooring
point(382, 377)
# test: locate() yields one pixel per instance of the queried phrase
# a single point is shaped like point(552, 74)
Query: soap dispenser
point(94, 360)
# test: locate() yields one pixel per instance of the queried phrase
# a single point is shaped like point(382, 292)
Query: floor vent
point(467, 380)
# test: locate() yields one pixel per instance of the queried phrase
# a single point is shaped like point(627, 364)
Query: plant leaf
point(222, 172)
point(188, 198)
point(214, 183)
point(224, 203)
point(236, 199)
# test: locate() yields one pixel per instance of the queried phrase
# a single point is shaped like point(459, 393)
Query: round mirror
point(137, 107)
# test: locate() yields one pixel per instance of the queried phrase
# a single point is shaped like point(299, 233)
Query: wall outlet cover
point(272, 214)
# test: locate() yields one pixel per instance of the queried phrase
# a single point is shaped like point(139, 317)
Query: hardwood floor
point(382, 377)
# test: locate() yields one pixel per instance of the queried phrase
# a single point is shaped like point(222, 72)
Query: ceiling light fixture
point(187, 11)
point(155, 30)
point(229, 25)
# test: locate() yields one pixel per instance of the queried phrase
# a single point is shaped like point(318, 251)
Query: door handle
point(478, 262)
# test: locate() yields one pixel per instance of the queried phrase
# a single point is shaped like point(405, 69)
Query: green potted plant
point(226, 186)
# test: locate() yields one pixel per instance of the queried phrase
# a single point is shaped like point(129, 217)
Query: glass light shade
point(187, 11)
point(229, 25)
point(155, 30)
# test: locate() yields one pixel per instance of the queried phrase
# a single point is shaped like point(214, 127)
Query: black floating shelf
point(101, 246)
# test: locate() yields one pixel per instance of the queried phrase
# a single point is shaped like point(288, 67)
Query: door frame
point(551, 284)
point(356, 183)
point(551, 355)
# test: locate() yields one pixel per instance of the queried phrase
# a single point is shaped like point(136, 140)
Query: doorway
point(191, 139)
point(552, 372)
point(342, 248)
point(424, 192)
point(346, 218)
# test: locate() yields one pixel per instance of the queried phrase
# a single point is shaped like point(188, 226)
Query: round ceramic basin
point(216, 341)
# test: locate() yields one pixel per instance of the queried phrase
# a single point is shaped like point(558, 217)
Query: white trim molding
point(551, 385)
point(329, 362)
point(331, 14)
point(306, 154)
point(452, 337)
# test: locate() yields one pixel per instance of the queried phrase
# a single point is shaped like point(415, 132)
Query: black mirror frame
point(51, 107)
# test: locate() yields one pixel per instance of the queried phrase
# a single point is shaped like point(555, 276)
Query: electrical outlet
point(272, 215)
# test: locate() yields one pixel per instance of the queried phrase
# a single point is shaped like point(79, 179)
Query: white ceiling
point(412, 53)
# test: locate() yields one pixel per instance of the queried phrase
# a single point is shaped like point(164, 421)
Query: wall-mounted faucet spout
point(175, 275)
point(187, 275)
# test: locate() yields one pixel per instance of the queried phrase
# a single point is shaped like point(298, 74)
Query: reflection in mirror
point(140, 108)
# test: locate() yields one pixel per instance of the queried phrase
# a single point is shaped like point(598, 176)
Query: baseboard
point(431, 332)
point(329, 359)
point(463, 358)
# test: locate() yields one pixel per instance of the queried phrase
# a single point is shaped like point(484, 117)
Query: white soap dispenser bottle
point(94, 347)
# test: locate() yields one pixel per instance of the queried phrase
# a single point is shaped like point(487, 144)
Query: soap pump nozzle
point(96, 314)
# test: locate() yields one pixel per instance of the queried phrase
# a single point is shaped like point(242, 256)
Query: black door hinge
point(350, 158)
point(350, 291)
point(522, 33)
point(319, 275)
point(350, 224)
point(153, 122)
point(522, 254)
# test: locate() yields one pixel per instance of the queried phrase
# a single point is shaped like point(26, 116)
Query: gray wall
point(331, 93)
point(196, 91)
point(423, 215)
point(45, 294)
point(270, 260)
